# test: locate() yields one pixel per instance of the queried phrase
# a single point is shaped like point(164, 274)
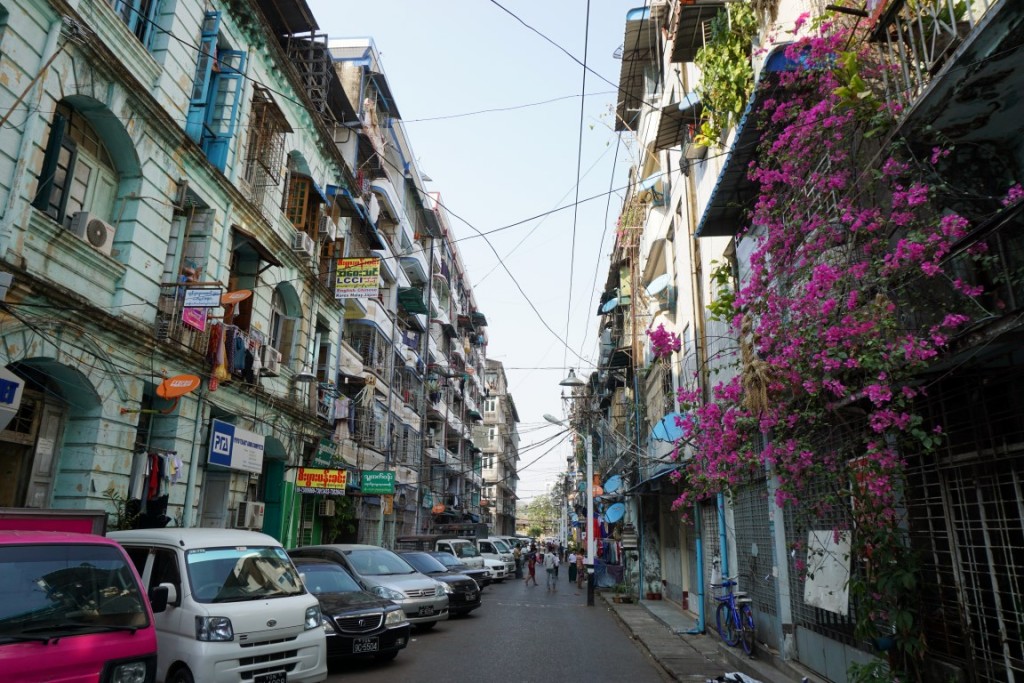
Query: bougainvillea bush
point(848, 234)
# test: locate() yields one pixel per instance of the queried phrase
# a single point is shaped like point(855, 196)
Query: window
point(491, 405)
point(140, 18)
point(282, 326)
point(216, 91)
point(188, 245)
point(265, 150)
point(77, 172)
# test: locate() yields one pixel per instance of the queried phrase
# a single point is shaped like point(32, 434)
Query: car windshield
point(59, 590)
point(241, 573)
point(327, 578)
point(500, 546)
point(467, 550)
point(447, 559)
point(424, 563)
point(377, 562)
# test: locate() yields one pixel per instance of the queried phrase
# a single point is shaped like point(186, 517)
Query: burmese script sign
point(321, 481)
point(357, 278)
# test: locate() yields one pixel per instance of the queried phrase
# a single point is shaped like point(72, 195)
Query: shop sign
point(357, 278)
point(10, 396)
point(387, 505)
point(195, 318)
point(377, 483)
point(324, 454)
point(236, 448)
point(321, 481)
point(202, 297)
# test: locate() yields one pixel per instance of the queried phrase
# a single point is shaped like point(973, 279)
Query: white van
point(497, 549)
point(236, 610)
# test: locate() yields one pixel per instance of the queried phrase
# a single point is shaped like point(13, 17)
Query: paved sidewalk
point(662, 628)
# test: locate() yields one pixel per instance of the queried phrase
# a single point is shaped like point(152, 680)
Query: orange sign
point(387, 504)
point(438, 508)
point(179, 385)
point(234, 297)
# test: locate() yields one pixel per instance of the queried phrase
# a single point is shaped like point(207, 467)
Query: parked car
point(454, 564)
point(464, 549)
point(357, 623)
point(463, 592)
point(496, 549)
point(72, 607)
point(236, 609)
point(387, 575)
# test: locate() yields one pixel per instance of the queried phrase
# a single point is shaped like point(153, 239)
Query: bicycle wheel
point(726, 624)
point(747, 628)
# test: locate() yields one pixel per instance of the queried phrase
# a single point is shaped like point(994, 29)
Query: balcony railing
point(171, 317)
point(918, 38)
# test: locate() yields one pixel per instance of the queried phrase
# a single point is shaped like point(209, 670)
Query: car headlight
point(447, 588)
point(328, 624)
point(129, 672)
point(313, 618)
point(394, 618)
point(214, 629)
point(388, 593)
point(441, 589)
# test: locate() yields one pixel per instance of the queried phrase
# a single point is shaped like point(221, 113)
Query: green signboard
point(378, 483)
point(324, 454)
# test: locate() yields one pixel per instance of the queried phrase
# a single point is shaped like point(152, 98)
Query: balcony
point(189, 328)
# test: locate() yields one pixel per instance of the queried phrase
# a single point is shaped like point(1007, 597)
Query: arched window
point(77, 172)
point(283, 326)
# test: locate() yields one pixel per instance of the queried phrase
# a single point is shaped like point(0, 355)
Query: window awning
point(244, 237)
point(478, 319)
point(674, 120)
point(691, 28)
point(640, 47)
point(474, 414)
point(411, 299)
point(734, 192)
point(380, 82)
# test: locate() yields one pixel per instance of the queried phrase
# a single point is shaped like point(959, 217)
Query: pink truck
point(72, 608)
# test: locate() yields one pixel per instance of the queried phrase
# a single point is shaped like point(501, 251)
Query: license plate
point(364, 645)
point(426, 611)
point(273, 677)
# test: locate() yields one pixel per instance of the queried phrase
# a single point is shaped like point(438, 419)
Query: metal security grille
point(965, 506)
point(829, 624)
point(712, 556)
point(754, 546)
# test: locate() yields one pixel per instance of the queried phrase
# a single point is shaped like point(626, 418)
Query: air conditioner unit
point(325, 509)
point(327, 229)
point(99, 234)
point(250, 514)
point(271, 361)
point(301, 242)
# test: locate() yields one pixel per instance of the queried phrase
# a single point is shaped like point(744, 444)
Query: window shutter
point(222, 110)
point(201, 84)
point(60, 151)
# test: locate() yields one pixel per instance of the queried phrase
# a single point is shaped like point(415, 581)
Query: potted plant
point(654, 590)
point(623, 594)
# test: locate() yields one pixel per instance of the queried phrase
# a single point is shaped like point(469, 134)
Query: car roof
point(342, 547)
point(193, 537)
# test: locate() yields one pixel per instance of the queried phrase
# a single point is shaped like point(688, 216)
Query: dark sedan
point(455, 565)
point(357, 623)
point(463, 592)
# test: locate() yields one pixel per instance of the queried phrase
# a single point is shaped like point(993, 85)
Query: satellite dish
point(610, 305)
point(615, 512)
point(613, 484)
point(659, 284)
point(667, 429)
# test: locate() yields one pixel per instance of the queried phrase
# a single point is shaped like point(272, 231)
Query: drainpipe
point(640, 498)
point(697, 525)
point(722, 540)
point(193, 465)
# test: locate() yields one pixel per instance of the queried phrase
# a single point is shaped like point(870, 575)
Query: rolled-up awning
point(250, 240)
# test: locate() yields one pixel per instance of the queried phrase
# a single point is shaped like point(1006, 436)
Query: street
point(519, 634)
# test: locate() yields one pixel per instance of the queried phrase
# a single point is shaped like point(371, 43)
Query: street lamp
point(589, 528)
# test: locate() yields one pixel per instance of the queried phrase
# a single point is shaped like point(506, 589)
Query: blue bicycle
point(734, 617)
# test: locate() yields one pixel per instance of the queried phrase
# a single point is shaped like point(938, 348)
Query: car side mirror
point(160, 596)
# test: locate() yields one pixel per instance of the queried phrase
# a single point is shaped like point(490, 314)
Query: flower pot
point(654, 596)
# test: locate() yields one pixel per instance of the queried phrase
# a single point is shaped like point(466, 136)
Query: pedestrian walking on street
point(580, 573)
point(518, 555)
point(551, 567)
point(572, 566)
point(531, 566)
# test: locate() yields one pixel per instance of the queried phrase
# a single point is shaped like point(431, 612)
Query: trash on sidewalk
point(734, 677)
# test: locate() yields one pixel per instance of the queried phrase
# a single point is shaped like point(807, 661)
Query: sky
point(491, 93)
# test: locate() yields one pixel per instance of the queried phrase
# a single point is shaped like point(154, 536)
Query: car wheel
point(181, 675)
point(426, 626)
point(386, 656)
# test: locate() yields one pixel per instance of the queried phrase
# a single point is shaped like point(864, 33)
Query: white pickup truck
point(497, 551)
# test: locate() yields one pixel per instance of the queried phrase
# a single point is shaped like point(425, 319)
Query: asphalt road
point(520, 634)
